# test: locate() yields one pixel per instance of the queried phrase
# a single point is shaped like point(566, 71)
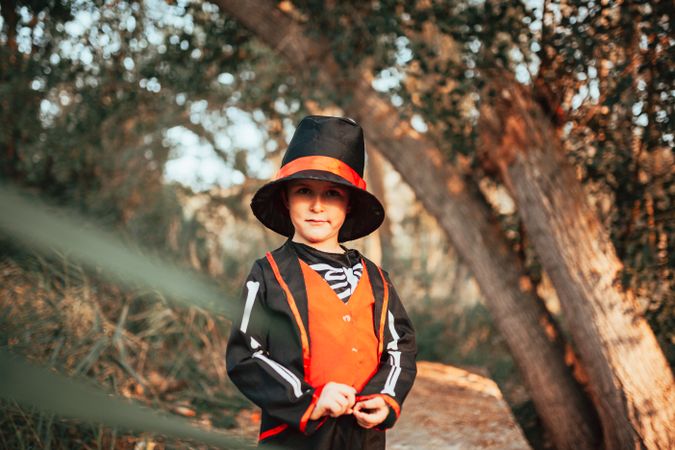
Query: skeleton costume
point(310, 317)
point(342, 271)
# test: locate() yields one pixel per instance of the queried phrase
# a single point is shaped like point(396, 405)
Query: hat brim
point(365, 215)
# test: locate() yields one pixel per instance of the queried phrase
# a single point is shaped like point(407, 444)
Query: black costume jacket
point(265, 358)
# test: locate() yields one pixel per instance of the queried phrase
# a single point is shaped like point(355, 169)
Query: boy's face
point(317, 210)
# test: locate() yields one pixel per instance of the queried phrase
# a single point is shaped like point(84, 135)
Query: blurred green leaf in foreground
point(32, 386)
point(32, 224)
point(45, 229)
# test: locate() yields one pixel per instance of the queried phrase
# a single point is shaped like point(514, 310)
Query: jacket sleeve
point(279, 390)
point(397, 369)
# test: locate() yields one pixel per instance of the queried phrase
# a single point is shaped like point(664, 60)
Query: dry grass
point(129, 343)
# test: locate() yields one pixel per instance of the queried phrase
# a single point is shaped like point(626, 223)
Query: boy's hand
point(335, 400)
point(371, 412)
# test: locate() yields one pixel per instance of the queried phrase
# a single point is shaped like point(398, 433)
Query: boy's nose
point(316, 204)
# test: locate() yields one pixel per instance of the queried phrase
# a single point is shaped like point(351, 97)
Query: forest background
point(523, 152)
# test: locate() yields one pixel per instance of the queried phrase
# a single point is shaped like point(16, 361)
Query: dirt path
point(448, 408)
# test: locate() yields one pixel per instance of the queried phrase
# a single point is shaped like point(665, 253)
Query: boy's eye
point(303, 190)
point(334, 193)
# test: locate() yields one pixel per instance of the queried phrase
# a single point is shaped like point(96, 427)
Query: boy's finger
point(362, 415)
point(362, 420)
point(347, 407)
point(335, 410)
point(375, 402)
point(346, 389)
point(351, 398)
point(340, 403)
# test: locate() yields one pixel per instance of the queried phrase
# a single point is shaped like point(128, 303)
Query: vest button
point(354, 349)
point(347, 318)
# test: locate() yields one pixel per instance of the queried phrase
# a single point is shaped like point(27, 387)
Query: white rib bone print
point(343, 280)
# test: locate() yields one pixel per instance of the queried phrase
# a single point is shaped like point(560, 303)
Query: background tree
point(605, 358)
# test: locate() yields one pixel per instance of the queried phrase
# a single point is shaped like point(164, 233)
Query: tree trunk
point(461, 213)
point(9, 155)
point(376, 185)
point(629, 378)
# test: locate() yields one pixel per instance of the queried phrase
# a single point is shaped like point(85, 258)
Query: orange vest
point(343, 343)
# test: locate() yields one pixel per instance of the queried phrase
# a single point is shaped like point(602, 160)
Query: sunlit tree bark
point(375, 174)
point(460, 211)
point(629, 378)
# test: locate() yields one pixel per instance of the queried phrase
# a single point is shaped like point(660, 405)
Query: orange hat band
point(325, 163)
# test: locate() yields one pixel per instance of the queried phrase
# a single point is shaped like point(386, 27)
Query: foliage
point(601, 70)
point(614, 79)
point(89, 92)
point(99, 92)
point(465, 338)
point(85, 105)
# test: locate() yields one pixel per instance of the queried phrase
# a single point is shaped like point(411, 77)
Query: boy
point(323, 344)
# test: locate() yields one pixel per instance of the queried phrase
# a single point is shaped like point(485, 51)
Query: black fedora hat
point(328, 149)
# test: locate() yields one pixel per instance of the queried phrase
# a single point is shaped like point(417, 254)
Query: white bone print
point(252, 287)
